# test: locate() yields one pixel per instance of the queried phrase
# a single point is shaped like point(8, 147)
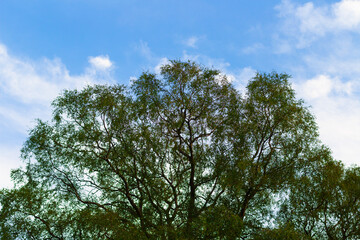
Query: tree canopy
point(181, 155)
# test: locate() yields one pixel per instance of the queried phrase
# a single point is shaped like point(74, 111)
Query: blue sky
point(47, 46)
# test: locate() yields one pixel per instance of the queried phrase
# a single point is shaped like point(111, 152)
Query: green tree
point(283, 232)
point(324, 202)
point(268, 141)
point(180, 155)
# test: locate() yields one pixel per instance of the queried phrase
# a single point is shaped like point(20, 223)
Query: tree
point(330, 206)
point(181, 155)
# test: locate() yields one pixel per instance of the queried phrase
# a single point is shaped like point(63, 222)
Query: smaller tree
point(324, 202)
point(268, 139)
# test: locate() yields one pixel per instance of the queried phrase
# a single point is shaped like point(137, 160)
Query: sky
point(48, 46)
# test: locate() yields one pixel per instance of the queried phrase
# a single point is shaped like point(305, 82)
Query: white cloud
point(39, 82)
point(342, 64)
point(347, 14)
point(323, 85)
point(3, 50)
point(246, 74)
point(101, 62)
point(317, 87)
point(339, 121)
point(162, 62)
point(337, 110)
point(13, 116)
point(339, 125)
point(27, 88)
point(242, 78)
point(9, 159)
point(326, 40)
point(35, 84)
point(308, 22)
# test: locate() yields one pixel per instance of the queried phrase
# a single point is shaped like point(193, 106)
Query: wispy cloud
point(308, 22)
point(38, 82)
point(191, 42)
point(326, 42)
point(144, 50)
point(254, 48)
point(27, 88)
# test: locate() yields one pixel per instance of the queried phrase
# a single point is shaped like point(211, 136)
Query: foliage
point(180, 155)
point(329, 208)
point(283, 232)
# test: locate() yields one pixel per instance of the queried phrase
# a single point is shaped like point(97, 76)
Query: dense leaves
point(180, 155)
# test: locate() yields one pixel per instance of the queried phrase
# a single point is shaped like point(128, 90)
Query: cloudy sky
point(48, 46)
